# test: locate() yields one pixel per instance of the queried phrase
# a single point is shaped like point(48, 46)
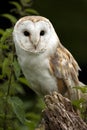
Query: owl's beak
point(35, 44)
point(34, 41)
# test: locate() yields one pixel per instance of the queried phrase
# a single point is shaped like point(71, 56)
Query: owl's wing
point(64, 67)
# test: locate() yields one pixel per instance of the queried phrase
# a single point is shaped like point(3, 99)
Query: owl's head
point(35, 34)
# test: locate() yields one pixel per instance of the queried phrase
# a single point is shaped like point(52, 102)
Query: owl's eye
point(42, 33)
point(26, 33)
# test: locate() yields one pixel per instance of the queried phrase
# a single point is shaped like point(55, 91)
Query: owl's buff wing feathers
point(64, 67)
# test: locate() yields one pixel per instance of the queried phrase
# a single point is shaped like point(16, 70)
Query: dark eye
point(26, 33)
point(42, 33)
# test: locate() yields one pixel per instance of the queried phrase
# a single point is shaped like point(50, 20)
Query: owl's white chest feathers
point(36, 71)
point(46, 64)
point(32, 35)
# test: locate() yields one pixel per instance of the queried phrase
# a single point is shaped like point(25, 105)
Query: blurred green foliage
point(18, 110)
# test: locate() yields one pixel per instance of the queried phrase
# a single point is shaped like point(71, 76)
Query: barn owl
point(45, 62)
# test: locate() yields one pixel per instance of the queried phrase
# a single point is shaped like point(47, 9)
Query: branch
point(60, 115)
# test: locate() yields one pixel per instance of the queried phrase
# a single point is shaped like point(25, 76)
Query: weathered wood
point(60, 115)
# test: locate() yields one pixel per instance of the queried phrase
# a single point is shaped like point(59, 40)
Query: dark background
point(69, 18)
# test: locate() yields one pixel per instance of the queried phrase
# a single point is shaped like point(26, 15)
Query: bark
point(60, 115)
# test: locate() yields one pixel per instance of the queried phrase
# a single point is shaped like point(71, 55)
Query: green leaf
point(16, 4)
point(3, 46)
point(18, 108)
point(82, 88)
point(23, 81)
point(25, 2)
point(7, 33)
point(10, 17)
point(1, 31)
point(16, 88)
point(33, 116)
point(31, 11)
point(5, 67)
point(30, 125)
point(77, 103)
point(17, 69)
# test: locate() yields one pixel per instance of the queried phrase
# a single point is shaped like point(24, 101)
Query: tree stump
point(60, 115)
